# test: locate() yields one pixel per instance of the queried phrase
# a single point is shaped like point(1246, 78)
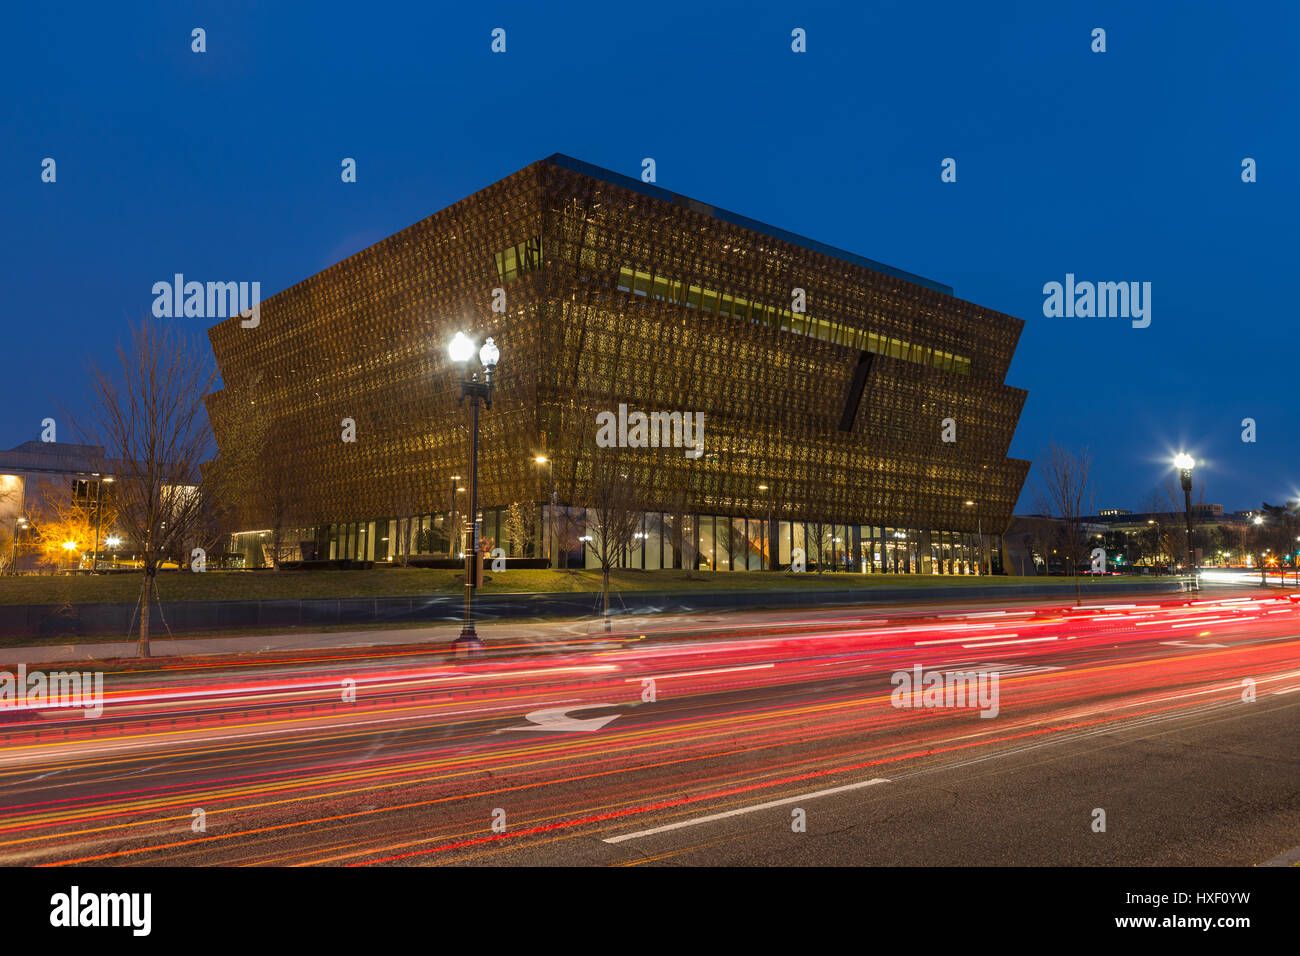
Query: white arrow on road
point(1188, 644)
point(557, 718)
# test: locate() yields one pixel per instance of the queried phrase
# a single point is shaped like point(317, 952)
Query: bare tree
point(279, 491)
point(678, 518)
point(233, 479)
point(568, 524)
point(519, 527)
point(1276, 536)
point(11, 490)
point(253, 483)
point(217, 519)
point(1043, 535)
point(409, 502)
point(66, 524)
point(1065, 494)
point(614, 513)
point(1160, 541)
point(1167, 524)
point(817, 541)
point(148, 415)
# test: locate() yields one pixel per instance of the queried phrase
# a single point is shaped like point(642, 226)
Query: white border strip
point(735, 813)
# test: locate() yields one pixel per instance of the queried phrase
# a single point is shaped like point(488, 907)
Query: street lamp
point(20, 525)
point(460, 538)
point(548, 527)
point(979, 524)
point(1185, 463)
point(453, 547)
point(1263, 576)
point(99, 514)
point(771, 563)
point(460, 350)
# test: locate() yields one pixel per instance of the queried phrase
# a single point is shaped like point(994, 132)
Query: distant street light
point(1185, 463)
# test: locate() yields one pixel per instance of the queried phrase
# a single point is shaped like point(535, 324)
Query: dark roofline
point(60, 458)
point(664, 195)
point(54, 458)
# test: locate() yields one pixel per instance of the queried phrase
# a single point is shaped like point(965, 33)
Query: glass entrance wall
point(718, 543)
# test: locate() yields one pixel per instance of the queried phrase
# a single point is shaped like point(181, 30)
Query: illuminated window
point(519, 259)
point(527, 256)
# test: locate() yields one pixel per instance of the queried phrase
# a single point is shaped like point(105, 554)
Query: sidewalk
point(243, 644)
point(542, 632)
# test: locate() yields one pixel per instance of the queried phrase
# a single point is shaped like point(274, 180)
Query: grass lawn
point(267, 585)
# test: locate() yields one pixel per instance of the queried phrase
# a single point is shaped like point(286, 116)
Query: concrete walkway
point(544, 633)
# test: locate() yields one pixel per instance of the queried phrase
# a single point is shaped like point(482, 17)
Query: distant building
point(1206, 516)
point(64, 485)
point(1034, 544)
point(1149, 537)
point(36, 479)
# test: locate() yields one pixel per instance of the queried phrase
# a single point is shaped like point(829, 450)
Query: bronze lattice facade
point(618, 292)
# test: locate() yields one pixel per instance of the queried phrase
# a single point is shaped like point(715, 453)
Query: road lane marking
point(950, 640)
point(1023, 640)
point(722, 670)
point(1189, 644)
point(184, 736)
point(554, 719)
point(1010, 670)
point(743, 810)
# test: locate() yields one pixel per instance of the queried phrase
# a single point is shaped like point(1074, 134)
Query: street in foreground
point(1141, 732)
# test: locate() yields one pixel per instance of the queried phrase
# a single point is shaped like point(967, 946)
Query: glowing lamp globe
point(461, 348)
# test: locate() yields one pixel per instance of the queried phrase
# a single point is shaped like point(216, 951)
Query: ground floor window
point(569, 537)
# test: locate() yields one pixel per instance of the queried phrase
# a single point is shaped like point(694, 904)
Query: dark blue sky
point(1122, 166)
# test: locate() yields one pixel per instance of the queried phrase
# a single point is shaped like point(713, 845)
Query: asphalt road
point(699, 743)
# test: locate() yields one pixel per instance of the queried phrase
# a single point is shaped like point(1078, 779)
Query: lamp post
point(547, 530)
point(476, 390)
point(979, 525)
point(99, 514)
point(20, 524)
point(1263, 574)
point(452, 546)
point(771, 542)
point(1185, 463)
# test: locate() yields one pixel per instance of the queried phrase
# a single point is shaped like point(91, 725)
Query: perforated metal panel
point(366, 339)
